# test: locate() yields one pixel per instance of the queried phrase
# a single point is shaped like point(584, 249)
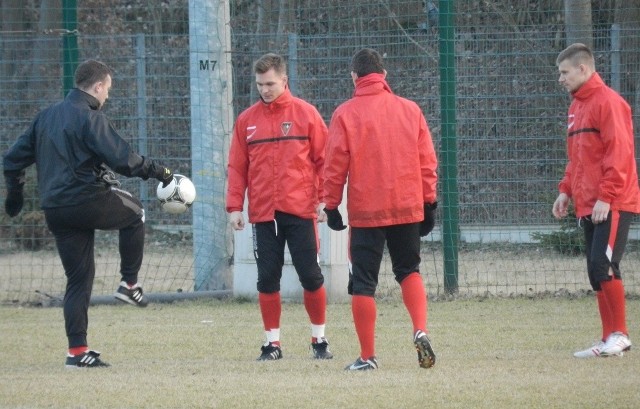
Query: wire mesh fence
point(510, 127)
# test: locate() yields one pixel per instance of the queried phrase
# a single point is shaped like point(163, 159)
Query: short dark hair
point(89, 72)
point(577, 53)
point(367, 61)
point(269, 61)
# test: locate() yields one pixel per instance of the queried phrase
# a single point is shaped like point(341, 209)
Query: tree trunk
point(578, 22)
point(265, 25)
point(284, 22)
point(11, 24)
point(47, 52)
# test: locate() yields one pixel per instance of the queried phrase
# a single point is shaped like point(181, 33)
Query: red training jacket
point(601, 151)
point(382, 143)
point(277, 153)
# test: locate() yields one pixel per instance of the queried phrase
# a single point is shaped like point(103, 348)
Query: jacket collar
point(371, 84)
point(282, 101)
point(77, 96)
point(589, 87)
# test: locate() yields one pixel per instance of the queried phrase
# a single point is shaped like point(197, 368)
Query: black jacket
point(68, 142)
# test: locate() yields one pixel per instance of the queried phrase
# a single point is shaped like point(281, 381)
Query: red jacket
point(600, 146)
point(277, 153)
point(382, 143)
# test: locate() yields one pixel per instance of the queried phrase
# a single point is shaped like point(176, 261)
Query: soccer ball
point(178, 196)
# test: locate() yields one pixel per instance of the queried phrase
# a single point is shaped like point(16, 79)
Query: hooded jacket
point(277, 156)
point(382, 144)
point(70, 142)
point(601, 151)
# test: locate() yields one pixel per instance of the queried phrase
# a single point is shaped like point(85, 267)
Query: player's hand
point(334, 219)
point(163, 174)
point(322, 216)
point(600, 212)
point(14, 202)
point(429, 221)
point(236, 220)
point(166, 176)
point(561, 206)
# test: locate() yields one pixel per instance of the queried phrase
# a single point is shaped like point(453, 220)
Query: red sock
point(414, 297)
point(613, 291)
point(78, 350)
point(364, 313)
point(271, 309)
point(315, 302)
point(606, 317)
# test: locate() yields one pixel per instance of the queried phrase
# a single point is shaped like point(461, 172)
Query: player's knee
point(355, 288)
point(138, 223)
point(401, 275)
point(597, 276)
point(268, 287)
point(313, 282)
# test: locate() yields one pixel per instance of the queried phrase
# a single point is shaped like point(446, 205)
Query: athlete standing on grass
point(602, 181)
point(381, 143)
point(73, 145)
point(277, 154)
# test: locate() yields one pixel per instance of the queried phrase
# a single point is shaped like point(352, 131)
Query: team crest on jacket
point(285, 127)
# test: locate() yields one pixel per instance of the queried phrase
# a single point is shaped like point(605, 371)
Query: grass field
point(492, 353)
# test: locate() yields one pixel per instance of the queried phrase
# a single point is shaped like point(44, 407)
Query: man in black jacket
point(74, 147)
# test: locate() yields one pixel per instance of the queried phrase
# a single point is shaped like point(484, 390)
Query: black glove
point(13, 203)
point(164, 175)
point(429, 218)
point(334, 219)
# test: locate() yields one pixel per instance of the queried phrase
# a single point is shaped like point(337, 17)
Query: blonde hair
point(269, 61)
point(577, 54)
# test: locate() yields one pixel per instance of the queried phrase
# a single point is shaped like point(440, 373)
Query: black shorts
point(112, 209)
point(605, 244)
point(366, 246)
point(301, 236)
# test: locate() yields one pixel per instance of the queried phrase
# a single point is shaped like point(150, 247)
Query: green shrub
point(569, 240)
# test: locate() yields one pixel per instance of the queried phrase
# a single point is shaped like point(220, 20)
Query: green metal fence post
point(69, 43)
point(449, 151)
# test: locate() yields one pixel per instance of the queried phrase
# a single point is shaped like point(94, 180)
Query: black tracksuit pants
point(366, 249)
point(74, 230)
point(301, 236)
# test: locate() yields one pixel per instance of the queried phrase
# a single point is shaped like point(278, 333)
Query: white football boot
point(594, 351)
point(616, 344)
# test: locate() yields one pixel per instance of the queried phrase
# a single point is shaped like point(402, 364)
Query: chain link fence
point(510, 115)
